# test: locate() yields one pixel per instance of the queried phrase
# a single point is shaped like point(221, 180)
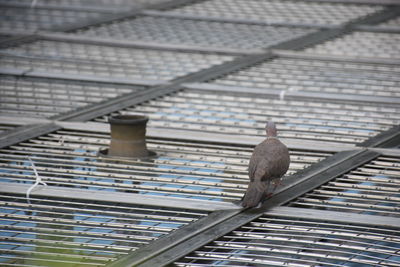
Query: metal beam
point(117, 197)
point(391, 152)
point(327, 57)
point(100, 9)
point(77, 77)
point(17, 121)
point(378, 29)
point(369, 2)
point(387, 139)
point(334, 216)
point(25, 133)
point(173, 14)
point(273, 93)
point(147, 45)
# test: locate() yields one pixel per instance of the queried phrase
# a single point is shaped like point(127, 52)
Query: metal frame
point(224, 217)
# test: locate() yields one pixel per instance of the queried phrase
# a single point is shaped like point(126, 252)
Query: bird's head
point(271, 129)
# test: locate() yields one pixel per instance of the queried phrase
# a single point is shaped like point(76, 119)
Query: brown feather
point(270, 161)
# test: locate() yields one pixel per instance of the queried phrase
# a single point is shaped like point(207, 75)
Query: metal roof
point(209, 74)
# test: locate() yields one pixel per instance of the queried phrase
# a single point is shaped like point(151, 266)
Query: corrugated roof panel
point(55, 231)
point(45, 98)
point(195, 32)
point(273, 11)
point(180, 169)
point(373, 188)
point(320, 76)
point(244, 114)
point(282, 241)
point(105, 61)
point(361, 44)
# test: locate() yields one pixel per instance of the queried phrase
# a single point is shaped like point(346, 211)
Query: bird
point(268, 163)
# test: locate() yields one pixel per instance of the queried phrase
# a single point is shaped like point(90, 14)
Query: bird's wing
point(253, 164)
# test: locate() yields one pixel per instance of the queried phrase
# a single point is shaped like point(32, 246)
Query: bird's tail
point(254, 194)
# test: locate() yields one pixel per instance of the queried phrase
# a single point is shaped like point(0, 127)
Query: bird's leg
point(276, 183)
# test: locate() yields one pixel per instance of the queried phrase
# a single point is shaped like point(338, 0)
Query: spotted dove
point(269, 162)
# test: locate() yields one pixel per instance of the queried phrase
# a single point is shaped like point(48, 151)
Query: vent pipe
point(128, 137)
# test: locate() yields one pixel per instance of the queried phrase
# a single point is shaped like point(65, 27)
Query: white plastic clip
point(33, 3)
point(283, 92)
point(37, 182)
point(282, 95)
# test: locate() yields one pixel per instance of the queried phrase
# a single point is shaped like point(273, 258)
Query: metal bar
point(394, 152)
point(26, 133)
point(173, 4)
point(310, 39)
point(388, 13)
point(291, 94)
point(147, 45)
point(80, 77)
point(22, 124)
point(370, 2)
point(305, 55)
point(324, 35)
point(377, 29)
point(22, 120)
point(120, 197)
point(297, 185)
point(16, 38)
point(100, 9)
point(173, 14)
point(387, 139)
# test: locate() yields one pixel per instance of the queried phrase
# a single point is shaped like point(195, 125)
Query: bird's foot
point(277, 183)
